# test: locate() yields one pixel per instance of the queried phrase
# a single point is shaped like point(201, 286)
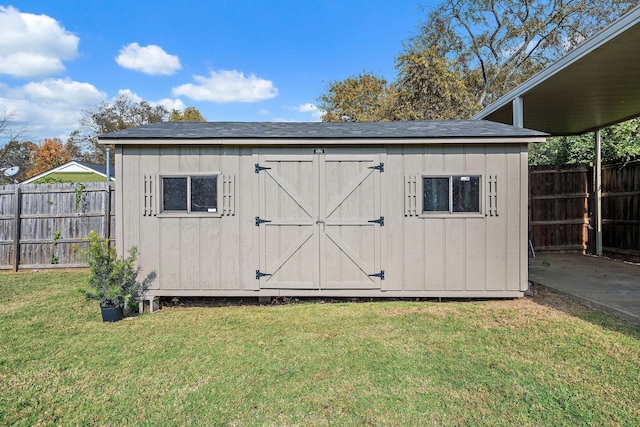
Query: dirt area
point(541, 299)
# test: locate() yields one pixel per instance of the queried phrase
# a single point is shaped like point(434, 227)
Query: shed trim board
point(328, 217)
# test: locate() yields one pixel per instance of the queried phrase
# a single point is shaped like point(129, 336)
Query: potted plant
point(113, 280)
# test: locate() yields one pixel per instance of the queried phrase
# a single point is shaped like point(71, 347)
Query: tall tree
point(14, 152)
point(497, 44)
point(429, 87)
point(124, 113)
point(360, 98)
point(190, 114)
point(48, 155)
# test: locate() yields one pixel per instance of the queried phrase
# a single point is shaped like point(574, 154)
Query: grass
point(535, 361)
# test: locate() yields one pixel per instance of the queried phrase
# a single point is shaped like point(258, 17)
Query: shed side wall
point(424, 255)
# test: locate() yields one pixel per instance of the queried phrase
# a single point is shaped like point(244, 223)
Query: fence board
point(562, 198)
point(37, 213)
point(558, 207)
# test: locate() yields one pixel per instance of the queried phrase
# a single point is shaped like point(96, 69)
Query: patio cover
point(595, 85)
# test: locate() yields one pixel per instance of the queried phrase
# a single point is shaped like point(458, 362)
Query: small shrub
point(113, 280)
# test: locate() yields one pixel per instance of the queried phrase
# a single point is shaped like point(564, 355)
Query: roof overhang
point(595, 85)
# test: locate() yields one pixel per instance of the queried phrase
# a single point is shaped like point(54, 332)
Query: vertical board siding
point(68, 211)
point(421, 253)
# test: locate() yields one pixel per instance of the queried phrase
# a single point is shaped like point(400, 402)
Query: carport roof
point(595, 85)
point(236, 131)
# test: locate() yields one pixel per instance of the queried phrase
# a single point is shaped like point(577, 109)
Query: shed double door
point(320, 221)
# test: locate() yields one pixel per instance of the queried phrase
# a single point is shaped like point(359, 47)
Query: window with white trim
point(451, 194)
point(198, 193)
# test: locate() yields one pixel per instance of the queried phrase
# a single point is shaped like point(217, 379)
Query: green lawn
point(535, 361)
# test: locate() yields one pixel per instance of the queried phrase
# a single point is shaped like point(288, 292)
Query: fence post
point(16, 228)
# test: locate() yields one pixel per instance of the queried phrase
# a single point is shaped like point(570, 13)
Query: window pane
point(174, 194)
point(466, 194)
point(204, 193)
point(435, 197)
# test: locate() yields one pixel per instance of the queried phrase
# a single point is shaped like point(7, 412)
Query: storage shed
point(398, 209)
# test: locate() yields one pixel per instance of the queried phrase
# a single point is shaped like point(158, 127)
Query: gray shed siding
point(481, 255)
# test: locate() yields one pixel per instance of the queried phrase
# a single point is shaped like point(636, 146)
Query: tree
point(16, 153)
point(124, 113)
point(429, 87)
point(190, 114)
point(619, 142)
point(48, 155)
point(360, 98)
point(497, 44)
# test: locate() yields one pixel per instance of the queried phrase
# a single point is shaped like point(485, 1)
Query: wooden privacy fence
point(562, 208)
point(44, 225)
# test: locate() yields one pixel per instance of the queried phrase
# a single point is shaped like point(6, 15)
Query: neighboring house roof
point(74, 167)
point(244, 132)
point(595, 85)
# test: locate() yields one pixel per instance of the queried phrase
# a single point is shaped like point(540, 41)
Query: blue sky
point(234, 60)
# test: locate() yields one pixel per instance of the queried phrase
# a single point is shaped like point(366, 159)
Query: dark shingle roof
point(318, 130)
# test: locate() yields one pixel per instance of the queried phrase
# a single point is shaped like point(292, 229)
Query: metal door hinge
point(378, 221)
point(379, 167)
point(260, 274)
point(260, 168)
point(261, 221)
point(380, 275)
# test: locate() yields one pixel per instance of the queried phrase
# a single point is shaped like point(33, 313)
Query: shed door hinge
point(378, 221)
point(261, 221)
point(379, 167)
point(260, 274)
point(260, 168)
point(380, 275)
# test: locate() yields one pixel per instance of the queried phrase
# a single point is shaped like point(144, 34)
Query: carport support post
point(598, 178)
point(518, 112)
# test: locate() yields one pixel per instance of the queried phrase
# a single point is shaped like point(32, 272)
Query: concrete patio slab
point(608, 285)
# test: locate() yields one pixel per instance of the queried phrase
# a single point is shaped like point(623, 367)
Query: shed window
point(451, 194)
point(190, 194)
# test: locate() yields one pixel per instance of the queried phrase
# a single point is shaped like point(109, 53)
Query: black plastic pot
point(111, 314)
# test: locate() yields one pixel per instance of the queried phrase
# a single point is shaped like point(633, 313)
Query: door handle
point(319, 221)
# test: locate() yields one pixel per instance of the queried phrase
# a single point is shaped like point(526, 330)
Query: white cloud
point(50, 108)
point(150, 59)
point(226, 86)
point(168, 103)
point(33, 45)
point(171, 104)
point(315, 112)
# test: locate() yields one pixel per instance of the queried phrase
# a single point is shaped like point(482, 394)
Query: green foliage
point(429, 87)
point(619, 142)
point(466, 55)
point(359, 98)
point(113, 280)
point(190, 114)
point(48, 179)
point(497, 44)
point(79, 193)
point(124, 113)
point(54, 243)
